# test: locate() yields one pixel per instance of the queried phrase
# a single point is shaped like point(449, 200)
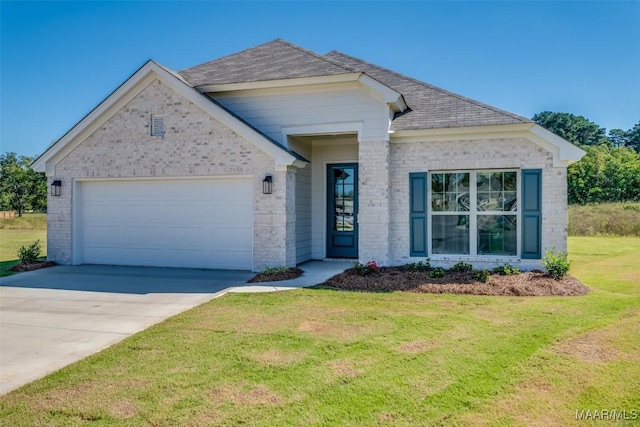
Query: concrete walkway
point(52, 317)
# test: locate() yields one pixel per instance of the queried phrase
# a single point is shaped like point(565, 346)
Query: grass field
point(18, 232)
point(605, 219)
point(320, 357)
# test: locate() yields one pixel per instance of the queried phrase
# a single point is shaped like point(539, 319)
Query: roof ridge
point(430, 86)
point(228, 55)
point(312, 53)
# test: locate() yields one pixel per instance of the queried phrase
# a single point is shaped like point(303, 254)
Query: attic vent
point(157, 125)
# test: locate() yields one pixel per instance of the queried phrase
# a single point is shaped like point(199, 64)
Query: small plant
point(418, 266)
point(556, 264)
point(437, 273)
point(370, 267)
point(30, 254)
point(506, 270)
point(274, 270)
point(483, 276)
point(462, 267)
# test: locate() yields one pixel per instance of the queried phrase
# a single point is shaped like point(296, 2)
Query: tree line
point(609, 172)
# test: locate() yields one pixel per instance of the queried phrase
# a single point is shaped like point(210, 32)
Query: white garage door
point(166, 223)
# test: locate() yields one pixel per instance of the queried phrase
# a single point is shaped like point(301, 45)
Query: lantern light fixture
point(267, 185)
point(56, 187)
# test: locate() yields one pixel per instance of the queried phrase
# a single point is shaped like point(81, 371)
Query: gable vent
point(157, 125)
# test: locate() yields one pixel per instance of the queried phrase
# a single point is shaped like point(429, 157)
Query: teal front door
point(342, 210)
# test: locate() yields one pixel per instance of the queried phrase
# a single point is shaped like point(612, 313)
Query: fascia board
point(267, 84)
point(390, 96)
point(568, 152)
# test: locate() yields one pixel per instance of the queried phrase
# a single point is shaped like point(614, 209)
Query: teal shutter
point(418, 213)
point(531, 213)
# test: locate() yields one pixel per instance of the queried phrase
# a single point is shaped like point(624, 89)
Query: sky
point(58, 60)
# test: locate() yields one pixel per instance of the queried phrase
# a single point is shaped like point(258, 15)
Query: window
point(157, 125)
point(474, 213)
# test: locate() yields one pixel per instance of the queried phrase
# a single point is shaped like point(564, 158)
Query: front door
point(342, 210)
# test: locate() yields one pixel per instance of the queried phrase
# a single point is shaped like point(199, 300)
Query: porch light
point(55, 188)
point(267, 185)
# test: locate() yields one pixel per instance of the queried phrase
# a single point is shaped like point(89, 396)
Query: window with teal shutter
point(531, 213)
point(418, 213)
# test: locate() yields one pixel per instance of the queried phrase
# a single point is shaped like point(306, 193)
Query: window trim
point(473, 214)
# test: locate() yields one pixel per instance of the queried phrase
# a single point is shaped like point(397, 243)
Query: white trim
point(564, 152)
point(322, 129)
point(131, 88)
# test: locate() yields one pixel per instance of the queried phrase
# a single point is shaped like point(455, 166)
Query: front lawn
point(323, 357)
point(18, 232)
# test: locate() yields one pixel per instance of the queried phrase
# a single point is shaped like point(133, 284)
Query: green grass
point(18, 232)
point(605, 219)
point(321, 357)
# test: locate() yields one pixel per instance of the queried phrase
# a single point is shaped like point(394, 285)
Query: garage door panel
point(183, 223)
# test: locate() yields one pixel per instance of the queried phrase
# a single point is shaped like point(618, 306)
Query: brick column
point(373, 202)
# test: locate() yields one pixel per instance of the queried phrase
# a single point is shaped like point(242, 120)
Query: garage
point(193, 223)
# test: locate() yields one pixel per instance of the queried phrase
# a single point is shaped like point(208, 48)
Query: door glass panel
point(343, 189)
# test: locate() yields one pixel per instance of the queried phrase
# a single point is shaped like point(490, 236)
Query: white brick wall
point(195, 144)
point(478, 154)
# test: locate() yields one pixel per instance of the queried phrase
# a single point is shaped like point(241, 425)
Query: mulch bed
point(388, 279)
point(33, 266)
point(288, 274)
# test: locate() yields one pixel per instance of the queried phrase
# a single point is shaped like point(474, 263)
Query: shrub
point(506, 270)
point(370, 267)
point(556, 264)
point(30, 254)
point(483, 276)
point(462, 267)
point(436, 273)
point(274, 270)
point(418, 266)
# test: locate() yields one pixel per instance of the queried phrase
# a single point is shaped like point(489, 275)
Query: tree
point(575, 129)
point(633, 137)
point(618, 137)
point(21, 188)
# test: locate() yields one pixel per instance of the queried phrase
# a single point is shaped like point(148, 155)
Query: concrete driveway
point(52, 317)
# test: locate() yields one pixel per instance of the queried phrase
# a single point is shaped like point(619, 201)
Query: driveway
point(52, 317)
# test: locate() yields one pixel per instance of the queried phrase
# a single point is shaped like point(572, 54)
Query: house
point(276, 155)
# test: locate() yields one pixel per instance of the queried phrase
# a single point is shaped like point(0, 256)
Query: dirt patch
point(593, 346)
point(276, 276)
point(243, 395)
point(388, 279)
point(33, 266)
point(123, 409)
point(415, 346)
point(278, 358)
point(344, 368)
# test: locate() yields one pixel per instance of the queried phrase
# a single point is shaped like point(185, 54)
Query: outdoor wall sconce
point(267, 185)
point(55, 188)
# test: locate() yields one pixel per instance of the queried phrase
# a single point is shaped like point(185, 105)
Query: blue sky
point(60, 59)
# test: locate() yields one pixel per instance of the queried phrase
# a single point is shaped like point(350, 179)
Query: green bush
point(274, 270)
point(462, 267)
point(418, 266)
point(370, 267)
point(506, 270)
point(483, 276)
point(30, 254)
point(556, 264)
point(436, 273)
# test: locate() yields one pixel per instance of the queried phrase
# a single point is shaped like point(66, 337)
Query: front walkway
point(52, 317)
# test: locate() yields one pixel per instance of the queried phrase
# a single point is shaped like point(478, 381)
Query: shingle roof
point(275, 60)
point(431, 107)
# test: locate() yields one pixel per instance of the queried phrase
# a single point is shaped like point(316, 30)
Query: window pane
point(496, 191)
point(497, 235)
point(450, 234)
point(450, 192)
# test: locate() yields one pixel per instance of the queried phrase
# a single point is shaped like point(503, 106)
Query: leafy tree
point(633, 137)
point(575, 129)
point(605, 174)
point(21, 188)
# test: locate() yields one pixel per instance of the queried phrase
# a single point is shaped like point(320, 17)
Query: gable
point(132, 88)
